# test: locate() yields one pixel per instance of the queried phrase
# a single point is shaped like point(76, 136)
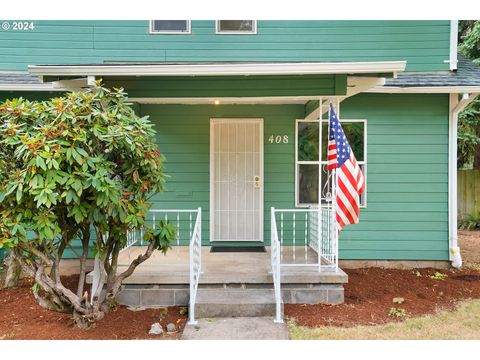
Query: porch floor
point(226, 268)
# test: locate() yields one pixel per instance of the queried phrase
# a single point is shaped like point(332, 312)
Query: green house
point(237, 107)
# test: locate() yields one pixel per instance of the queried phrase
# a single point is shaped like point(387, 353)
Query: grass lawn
point(462, 324)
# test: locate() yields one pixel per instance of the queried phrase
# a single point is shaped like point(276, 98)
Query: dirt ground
point(22, 318)
point(469, 242)
point(370, 292)
point(369, 297)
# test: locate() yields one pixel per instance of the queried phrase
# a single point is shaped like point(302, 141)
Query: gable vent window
point(169, 27)
point(236, 27)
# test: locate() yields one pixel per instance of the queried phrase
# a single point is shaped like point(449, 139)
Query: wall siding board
point(221, 86)
point(407, 202)
point(424, 44)
point(407, 178)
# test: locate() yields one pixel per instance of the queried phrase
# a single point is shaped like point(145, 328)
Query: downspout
point(453, 58)
point(456, 105)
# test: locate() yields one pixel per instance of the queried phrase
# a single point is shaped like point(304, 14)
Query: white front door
point(236, 180)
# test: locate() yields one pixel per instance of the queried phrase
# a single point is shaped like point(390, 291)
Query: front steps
point(156, 295)
point(231, 284)
point(235, 302)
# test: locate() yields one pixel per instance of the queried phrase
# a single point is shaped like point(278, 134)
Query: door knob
point(256, 181)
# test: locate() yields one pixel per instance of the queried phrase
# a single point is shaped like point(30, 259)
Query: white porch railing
point(184, 221)
point(275, 263)
point(306, 241)
point(189, 233)
point(195, 265)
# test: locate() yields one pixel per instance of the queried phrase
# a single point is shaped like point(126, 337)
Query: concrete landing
point(224, 268)
point(223, 303)
point(241, 328)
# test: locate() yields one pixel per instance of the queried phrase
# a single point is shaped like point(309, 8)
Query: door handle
point(256, 181)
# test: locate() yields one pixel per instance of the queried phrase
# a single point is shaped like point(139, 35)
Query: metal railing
point(189, 233)
point(307, 237)
point(184, 221)
point(195, 265)
point(275, 264)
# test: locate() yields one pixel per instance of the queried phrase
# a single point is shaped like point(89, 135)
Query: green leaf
point(41, 163)
point(82, 152)
point(77, 157)
point(55, 164)
point(69, 154)
point(36, 287)
point(19, 194)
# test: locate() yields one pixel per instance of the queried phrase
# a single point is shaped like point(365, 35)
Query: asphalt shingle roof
point(467, 74)
point(18, 78)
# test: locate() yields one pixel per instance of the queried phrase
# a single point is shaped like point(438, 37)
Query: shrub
point(70, 166)
point(470, 222)
point(397, 312)
point(438, 276)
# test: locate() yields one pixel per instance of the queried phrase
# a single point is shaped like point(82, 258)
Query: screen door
point(236, 180)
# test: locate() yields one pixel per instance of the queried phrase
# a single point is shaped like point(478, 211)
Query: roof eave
point(393, 67)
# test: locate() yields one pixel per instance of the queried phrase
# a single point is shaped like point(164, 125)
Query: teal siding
point(231, 86)
point(184, 137)
point(407, 173)
point(407, 176)
point(423, 44)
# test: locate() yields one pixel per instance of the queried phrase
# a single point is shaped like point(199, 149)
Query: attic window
point(236, 27)
point(169, 26)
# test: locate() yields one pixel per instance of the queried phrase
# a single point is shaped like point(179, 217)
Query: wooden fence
point(468, 192)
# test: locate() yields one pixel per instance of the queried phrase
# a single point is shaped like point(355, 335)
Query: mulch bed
point(369, 296)
point(370, 292)
point(22, 318)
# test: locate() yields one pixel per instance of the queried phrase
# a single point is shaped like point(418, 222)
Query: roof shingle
point(467, 74)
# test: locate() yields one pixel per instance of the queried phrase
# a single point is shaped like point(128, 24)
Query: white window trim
point(218, 31)
point(297, 162)
point(167, 32)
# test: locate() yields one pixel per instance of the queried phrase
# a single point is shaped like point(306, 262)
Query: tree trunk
point(12, 272)
point(83, 259)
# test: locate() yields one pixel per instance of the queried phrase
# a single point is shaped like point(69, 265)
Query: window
point(307, 158)
point(169, 27)
point(236, 27)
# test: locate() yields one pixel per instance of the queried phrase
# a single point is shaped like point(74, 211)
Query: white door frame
point(261, 170)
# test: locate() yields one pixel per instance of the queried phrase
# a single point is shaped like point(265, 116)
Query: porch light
point(217, 102)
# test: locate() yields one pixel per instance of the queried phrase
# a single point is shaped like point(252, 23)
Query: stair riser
point(151, 295)
point(234, 310)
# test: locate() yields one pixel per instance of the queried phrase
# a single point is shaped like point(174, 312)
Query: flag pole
point(334, 237)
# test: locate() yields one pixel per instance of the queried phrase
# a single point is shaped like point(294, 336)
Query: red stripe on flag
point(342, 207)
point(352, 202)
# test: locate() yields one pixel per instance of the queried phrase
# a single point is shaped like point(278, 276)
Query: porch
point(230, 284)
point(229, 268)
point(229, 134)
point(300, 266)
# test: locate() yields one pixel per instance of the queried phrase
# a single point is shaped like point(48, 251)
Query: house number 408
point(278, 139)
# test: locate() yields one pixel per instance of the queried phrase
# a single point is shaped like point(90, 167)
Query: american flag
point(350, 180)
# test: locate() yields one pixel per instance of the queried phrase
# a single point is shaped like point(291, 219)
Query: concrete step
point(239, 302)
